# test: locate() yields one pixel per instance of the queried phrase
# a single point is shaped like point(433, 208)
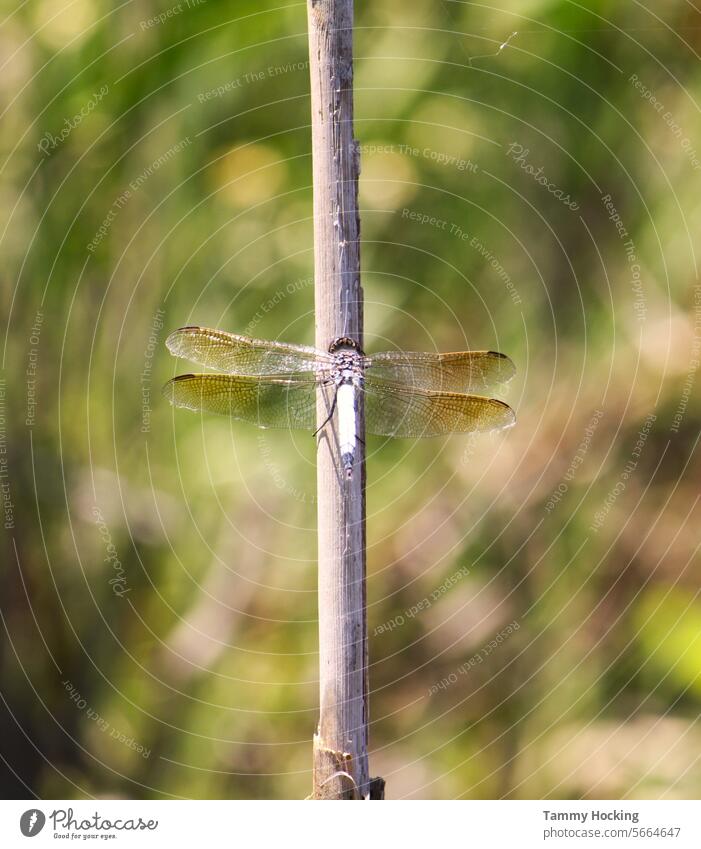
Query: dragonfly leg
point(330, 415)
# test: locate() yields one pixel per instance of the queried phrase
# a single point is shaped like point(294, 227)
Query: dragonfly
point(404, 393)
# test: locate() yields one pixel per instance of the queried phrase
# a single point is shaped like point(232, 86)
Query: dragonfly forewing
point(233, 354)
point(392, 410)
point(462, 371)
point(267, 403)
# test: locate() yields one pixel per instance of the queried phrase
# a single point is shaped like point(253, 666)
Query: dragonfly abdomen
point(346, 401)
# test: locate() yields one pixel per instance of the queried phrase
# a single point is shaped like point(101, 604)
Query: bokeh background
point(534, 610)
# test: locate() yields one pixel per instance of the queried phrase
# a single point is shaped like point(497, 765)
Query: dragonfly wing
point(235, 354)
point(391, 410)
point(462, 371)
point(284, 403)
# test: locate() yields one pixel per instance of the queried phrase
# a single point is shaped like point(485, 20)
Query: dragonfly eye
point(344, 342)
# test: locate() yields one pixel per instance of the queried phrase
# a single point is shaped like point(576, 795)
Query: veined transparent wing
point(462, 371)
point(233, 354)
point(393, 410)
point(267, 402)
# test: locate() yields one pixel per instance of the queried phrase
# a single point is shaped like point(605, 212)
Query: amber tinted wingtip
point(509, 415)
point(168, 390)
point(507, 367)
point(174, 339)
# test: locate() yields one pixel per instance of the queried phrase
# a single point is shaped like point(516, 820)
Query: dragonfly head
point(344, 342)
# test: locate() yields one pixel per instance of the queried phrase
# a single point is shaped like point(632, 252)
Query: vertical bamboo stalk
point(340, 744)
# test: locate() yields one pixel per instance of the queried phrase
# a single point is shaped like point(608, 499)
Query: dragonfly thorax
point(347, 367)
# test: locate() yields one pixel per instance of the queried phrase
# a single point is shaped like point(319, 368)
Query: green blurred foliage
point(184, 196)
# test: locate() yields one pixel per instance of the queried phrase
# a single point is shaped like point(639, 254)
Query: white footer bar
point(213, 824)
